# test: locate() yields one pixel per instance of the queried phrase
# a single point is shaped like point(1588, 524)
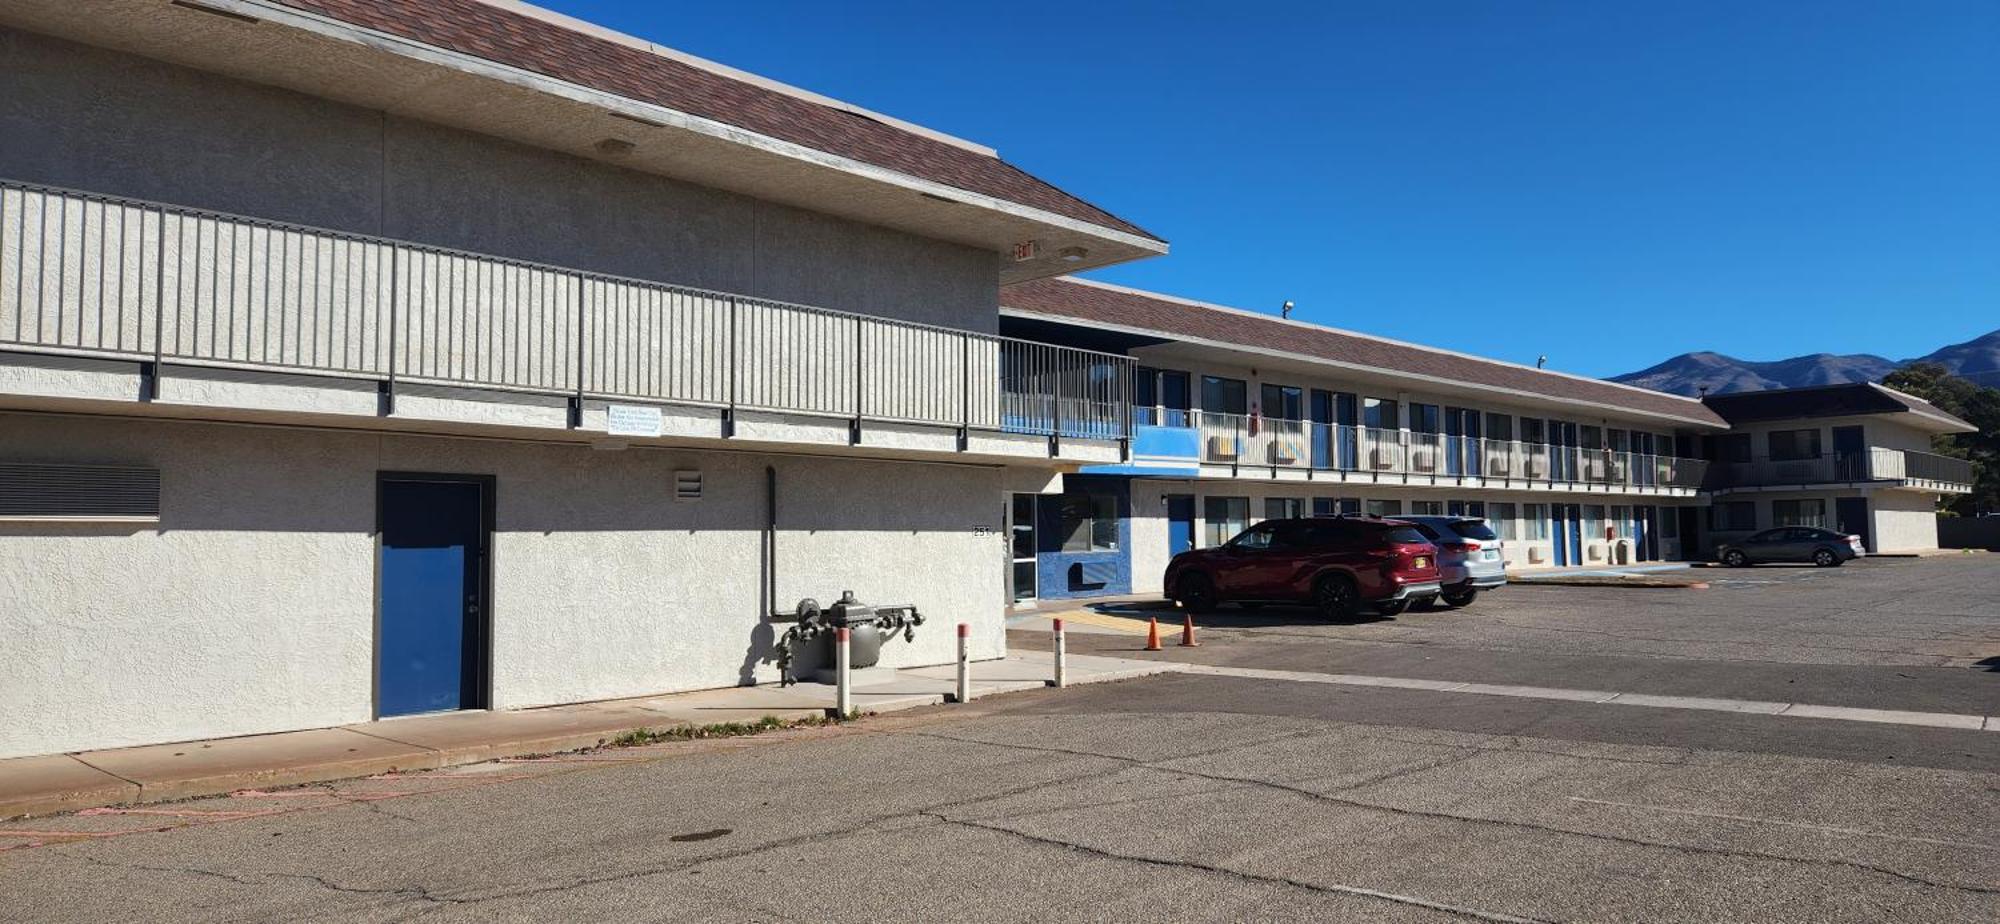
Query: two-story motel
point(1241, 416)
point(369, 358)
point(362, 358)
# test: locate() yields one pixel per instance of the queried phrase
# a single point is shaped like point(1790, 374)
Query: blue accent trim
point(1140, 469)
point(1060, 574)
point(1167, 442)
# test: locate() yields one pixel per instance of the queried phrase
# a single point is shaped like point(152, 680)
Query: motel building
point(1242, 416)
point(363, 359)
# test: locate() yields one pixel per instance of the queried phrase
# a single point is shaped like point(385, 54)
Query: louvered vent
point(687, 485)
point(78, 492)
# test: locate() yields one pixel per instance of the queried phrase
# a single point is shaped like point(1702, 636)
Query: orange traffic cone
point(1187, 632)
point(1153, 634)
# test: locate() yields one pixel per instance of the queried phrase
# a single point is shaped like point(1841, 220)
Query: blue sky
point(1605, 183)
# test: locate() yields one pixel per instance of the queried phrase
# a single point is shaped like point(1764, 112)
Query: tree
point(1973, 404)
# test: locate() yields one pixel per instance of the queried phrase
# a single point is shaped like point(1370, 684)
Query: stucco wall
point(107, 122)
point(250, 607)
point(1904, 521)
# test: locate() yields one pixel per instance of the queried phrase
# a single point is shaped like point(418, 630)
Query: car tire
point(1196, 592)
point(1826, 558)
point(1460, 596)
point(1392, 608)
point(1735, 558)
point(1335, 597)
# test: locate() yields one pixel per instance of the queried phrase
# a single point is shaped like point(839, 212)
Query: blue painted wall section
point(1064, 574)
point(1158, 451)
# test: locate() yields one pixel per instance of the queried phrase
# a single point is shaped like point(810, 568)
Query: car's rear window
point(1403, 535)
point(1474, 529)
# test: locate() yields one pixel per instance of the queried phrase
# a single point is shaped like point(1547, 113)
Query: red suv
point(1336, 564)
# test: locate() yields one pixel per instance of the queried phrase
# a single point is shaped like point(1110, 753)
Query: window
point(1424, 418)
point(1283, 402)
point(1225, 517)
point(1174, 398)
point(1593, 522)
point(1284, 508)
point(1325, 506)
point(1257, 537)
point(1732, 516)
point(1670, 522)
point(1145, 395)
point(1535, 522)
point(1798, 512)
point(1501, 515)
point(1224, 396)
point(1593, 438)
point(1465, 508)
point(1089, 522)
point(1475, 530)
point(1532, 430)
point(1383, 508)
point(1734, 447)
point(1380, 414)
point(1499, 427)
point(1427, 508)
point(1793, 445)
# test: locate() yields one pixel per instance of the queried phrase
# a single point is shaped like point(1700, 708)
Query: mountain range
point(1977, 359)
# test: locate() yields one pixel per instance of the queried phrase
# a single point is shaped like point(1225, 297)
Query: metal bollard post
point(964, 663)
point(843, 674)
point(1062, 656)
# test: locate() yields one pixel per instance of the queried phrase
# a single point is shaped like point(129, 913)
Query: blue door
point(1180, 523)
point(432, 638)
point(1560, 534)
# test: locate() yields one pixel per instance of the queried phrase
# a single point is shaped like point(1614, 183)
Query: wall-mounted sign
point(1027, 250)
point(632, 420)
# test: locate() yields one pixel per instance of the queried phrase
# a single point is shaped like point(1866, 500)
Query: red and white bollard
point(964, 663)
point(843, 674)
point(1062, 656)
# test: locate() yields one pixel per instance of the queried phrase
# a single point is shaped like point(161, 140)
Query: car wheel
point(1335, 597)
point(1392, 608)
point(1826, 559)
point(1459, 596)
point(1735, 558)
point(1197, 593)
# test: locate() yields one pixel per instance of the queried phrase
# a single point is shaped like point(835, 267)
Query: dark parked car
point(1822, 547)
point(1336, 564)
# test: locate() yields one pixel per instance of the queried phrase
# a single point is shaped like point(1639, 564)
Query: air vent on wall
point(687, 485)
point(116, 493)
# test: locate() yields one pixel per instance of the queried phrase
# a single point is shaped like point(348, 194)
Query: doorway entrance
point(433, 582)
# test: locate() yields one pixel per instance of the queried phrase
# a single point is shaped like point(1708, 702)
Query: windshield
point(1475, 529)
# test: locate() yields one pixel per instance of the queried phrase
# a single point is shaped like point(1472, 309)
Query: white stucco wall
point(250, 607)
point(1904, 521)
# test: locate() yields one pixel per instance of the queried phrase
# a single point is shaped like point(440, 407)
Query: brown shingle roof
point(1172, 318)
point(518, 40)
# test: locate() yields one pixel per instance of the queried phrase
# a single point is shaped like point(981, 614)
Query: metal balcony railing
point(89, 274)
point(1872, 464)
point(1243, 440)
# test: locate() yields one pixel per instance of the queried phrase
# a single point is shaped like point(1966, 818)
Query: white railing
point(1237, 439)
point(88, 274)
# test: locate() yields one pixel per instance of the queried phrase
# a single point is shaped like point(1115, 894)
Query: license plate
point(1423, 561)
point(1492, 555)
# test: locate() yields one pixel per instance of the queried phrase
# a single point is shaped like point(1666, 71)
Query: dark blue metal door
point(1560, 535)
point(1180, 523)
point(433, 596)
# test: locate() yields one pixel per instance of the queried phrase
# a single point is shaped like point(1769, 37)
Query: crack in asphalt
point(1691, 849)
point(259, 880)
point(1287, 881)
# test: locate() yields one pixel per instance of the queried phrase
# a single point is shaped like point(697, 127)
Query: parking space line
point(1612, 698)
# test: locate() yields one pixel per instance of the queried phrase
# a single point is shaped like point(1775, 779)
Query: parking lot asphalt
point(1190, 797)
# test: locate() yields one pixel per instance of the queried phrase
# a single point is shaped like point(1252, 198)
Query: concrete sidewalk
point(156, 773)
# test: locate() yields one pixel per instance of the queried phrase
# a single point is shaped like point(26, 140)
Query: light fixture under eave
point(1072, 254)
point(613, 147)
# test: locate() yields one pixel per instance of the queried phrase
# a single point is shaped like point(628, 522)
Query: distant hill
point(1687, 374)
